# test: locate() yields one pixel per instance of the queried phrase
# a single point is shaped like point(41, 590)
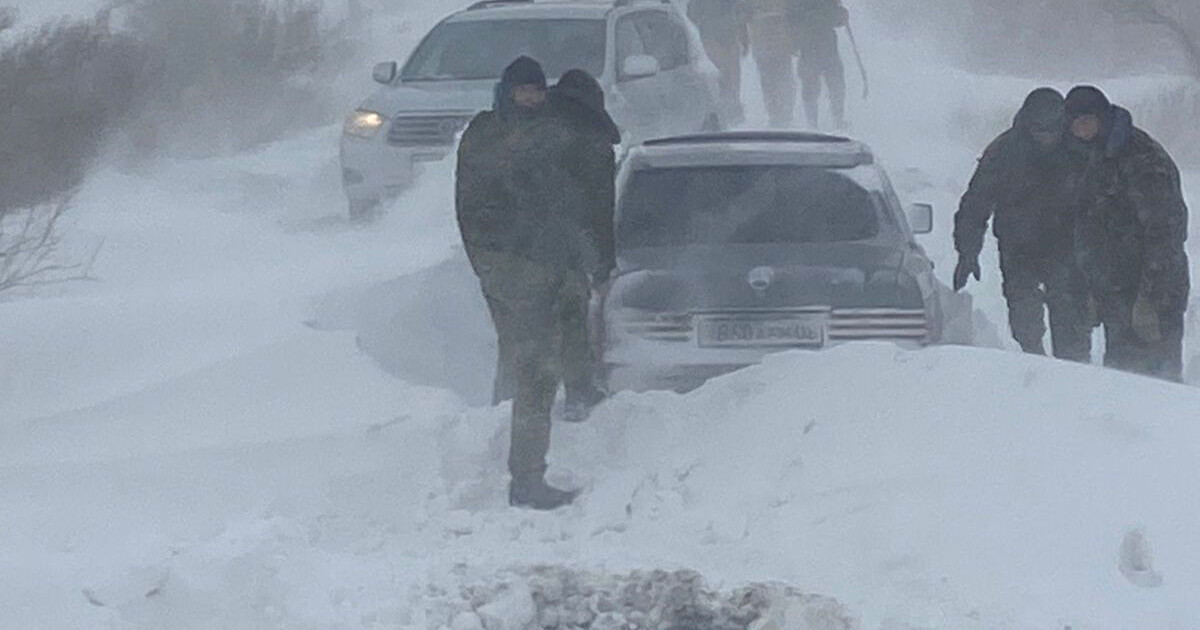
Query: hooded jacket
point(1132, 218)
point(1024, 186)
point(578, 100)
point(519, 189)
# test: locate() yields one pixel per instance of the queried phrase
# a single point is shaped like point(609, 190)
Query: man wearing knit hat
point(521, 208)
point(1022, 180)
point(1131, 226)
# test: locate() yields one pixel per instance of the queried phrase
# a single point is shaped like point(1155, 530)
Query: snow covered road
point(200, 441)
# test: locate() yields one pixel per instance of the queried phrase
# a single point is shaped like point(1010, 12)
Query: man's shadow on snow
point(427, 328)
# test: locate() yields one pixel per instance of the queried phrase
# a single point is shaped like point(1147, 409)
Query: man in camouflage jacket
point(1131, 228)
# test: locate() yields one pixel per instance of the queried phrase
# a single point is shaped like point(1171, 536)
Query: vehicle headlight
point(364, 124)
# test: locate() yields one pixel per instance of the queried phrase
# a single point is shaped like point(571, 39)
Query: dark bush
point(65, 89)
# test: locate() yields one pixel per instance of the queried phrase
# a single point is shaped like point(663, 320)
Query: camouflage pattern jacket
point(1132, 219)
point(520, 190)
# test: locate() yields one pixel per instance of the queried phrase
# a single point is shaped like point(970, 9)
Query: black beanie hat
point(1086, 99)
point(524, 71)
point(1043, 110)
point(581, 85)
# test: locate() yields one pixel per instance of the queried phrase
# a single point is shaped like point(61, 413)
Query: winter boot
point(579, 403)
point(534, 493)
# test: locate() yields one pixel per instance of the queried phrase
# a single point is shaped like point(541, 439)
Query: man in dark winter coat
point(1022, 180)
point(816, 23)
point(578, 100)
point(724, 32)
point(1131, 228)
point(522, 211)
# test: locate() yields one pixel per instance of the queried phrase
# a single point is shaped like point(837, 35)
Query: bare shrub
point(32, 252)
point(65, 88)
point(232, 74)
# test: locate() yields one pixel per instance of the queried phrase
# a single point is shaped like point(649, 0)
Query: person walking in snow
point(1022, 180)
point(773, 45)
point(815, 24)
point(726, 39)
point(1131, 228)
point(523, 214)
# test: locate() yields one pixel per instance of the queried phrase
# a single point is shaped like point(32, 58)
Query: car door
point(683, 92)
point(636, 105)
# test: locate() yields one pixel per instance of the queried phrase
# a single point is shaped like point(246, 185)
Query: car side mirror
point(920, 218)
point(386, 72)
point(639, 67)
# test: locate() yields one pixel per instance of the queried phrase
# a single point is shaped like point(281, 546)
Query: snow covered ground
point(198, 440)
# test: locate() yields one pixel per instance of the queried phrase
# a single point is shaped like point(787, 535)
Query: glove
point(967, 267)
point(1146, 324)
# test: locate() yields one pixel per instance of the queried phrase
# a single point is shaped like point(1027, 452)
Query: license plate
point(798, 332)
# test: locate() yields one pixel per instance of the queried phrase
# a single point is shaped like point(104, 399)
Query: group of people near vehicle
point(1090, 222)
point(1088, 212)
point(789, 39)
point(534, 201)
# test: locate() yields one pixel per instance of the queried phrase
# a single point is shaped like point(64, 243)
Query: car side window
point(629, 42)
point(652, 33)
point(666, 39)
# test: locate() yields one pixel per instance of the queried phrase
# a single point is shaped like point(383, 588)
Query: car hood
point(432, 96)
point(842, 275)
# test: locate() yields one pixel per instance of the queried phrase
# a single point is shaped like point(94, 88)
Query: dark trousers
point(1035, 283)
point(724, 50)
point(540, 314)
point(1125, 351)
point(821, 61)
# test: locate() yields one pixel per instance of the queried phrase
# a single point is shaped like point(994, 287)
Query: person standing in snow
point(724, 33)
point(523, 214)
point(815, 23)
point(578, 100)
point(1022, 179)
point(1131, 228)
point(772, 43)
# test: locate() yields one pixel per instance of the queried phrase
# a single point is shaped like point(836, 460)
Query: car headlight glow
point(364, 124)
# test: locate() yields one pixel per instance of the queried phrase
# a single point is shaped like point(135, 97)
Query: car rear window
point(744, 205)
point(461, 51)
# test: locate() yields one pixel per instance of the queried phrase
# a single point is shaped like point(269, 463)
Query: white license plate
point(798, 332)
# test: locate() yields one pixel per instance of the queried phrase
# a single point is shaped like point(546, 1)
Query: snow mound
point(948, 487)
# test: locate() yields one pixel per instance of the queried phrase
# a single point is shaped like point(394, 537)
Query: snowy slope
point(263, 417)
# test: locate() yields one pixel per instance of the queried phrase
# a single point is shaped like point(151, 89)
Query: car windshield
point(461, 51)
point(744, 205)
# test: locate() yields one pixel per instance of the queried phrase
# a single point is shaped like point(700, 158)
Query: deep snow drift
point(264, 417)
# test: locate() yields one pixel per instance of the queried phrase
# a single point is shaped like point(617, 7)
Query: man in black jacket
point(1131, 228)
point(578, 100)
point(524, 215)
point(1022, 179)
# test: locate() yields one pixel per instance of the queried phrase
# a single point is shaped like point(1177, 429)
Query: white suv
point(655, 75)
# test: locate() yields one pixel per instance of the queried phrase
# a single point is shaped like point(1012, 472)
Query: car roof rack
point(485, 4)
point(751, 136)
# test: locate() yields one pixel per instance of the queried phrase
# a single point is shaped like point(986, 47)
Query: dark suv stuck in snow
point(731, 246)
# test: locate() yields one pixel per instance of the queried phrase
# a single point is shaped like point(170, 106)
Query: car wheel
point(365, 210)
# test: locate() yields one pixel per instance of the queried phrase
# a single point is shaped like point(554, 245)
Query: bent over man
point(1022, 179)
point(1131, 229)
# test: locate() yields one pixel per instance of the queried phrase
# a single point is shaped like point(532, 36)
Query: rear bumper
point(665, 353)
point(645, 370)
